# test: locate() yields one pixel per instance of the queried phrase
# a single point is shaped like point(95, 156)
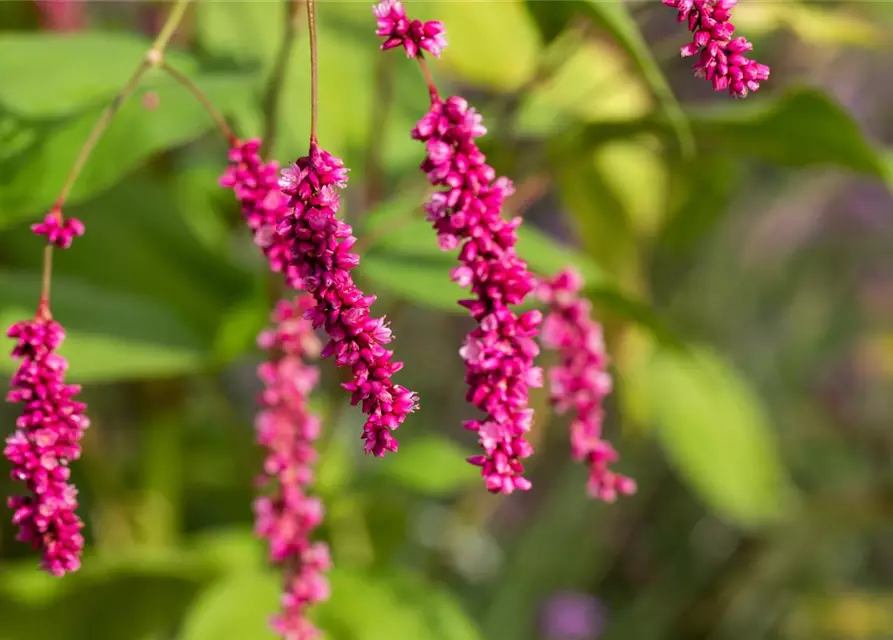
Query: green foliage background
point(738, 252)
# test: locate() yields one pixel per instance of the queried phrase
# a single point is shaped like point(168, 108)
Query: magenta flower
point(722, 59)
point(320, 261)
point(256, 185)
point(414, 36)
point(580, 382)
point(499, 354)
point(287, 516)
point(58, 231)
point(46, 440)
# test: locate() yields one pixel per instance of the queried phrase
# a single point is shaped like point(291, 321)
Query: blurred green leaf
point(475, 55)
point(431, 465)
point(615, 18)
point(423, 279)
point(59, 74)
point(237, 607)
point(414, 609)
point(122, 598)
point(248, 32)
point(715, 432)
point(825, 25)
point(34, 176)
point(804, 127)
point(137, 228)
point(110, 335)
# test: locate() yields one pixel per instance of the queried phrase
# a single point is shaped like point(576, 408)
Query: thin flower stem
point(154, 57)
point(203, 99)
point(314, 70)
point(429, 79)
point(273, 92)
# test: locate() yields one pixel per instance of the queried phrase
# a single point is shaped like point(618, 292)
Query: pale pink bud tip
point(580, 381)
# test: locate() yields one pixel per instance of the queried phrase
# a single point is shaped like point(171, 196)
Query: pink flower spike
point(580, 382)
point(46, 441)
point(719, 61)
point(287, 516)
point(414, 36)
point(319, 262)
point(499, 353)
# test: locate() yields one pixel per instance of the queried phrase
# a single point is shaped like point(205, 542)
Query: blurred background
point(738, 252)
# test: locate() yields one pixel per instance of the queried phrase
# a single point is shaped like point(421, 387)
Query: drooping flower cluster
point(467, 210)
point(413, 35)
point(580, 382)
point(721, 57)
point(46, 439)
point(320, 261)
point(256, 185)
point(287, 515)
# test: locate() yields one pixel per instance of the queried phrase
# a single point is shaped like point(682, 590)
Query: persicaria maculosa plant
point(293, 217)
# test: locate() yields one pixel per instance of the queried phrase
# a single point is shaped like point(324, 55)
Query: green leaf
point(474, 54)
point(110, 335)
point(249, 32)
point(111, 598)
point(422, 279)
point(34, 176)
point(431, 465)
point(415, 609)
point(238, 607)
point(56, 75)
point(804, 127)
point(714, 430)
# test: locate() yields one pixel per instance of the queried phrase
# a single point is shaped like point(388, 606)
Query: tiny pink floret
point(580, 382)
point(414, 36)
point(721, 58)
point(58, 231)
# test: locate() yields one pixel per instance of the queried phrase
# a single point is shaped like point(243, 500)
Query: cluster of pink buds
point(580, 382)
point(721, 57)
point(286, 428)
point(320, 261)
point(414, 36)
point(48, 433)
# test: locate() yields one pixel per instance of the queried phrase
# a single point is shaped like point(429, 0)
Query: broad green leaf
point(594, 84)
point(802, 128)
point(714, 430)
point(138, 243)
point(34, 176)
point(110, 335)
point(237, 607)
point(242, 31)
point(423, 279)
point(111, 598)
point(415, 609)
point(815, 25)
point(432, 466)
point(503, 63)
point(59, 74)
point(615, 18)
